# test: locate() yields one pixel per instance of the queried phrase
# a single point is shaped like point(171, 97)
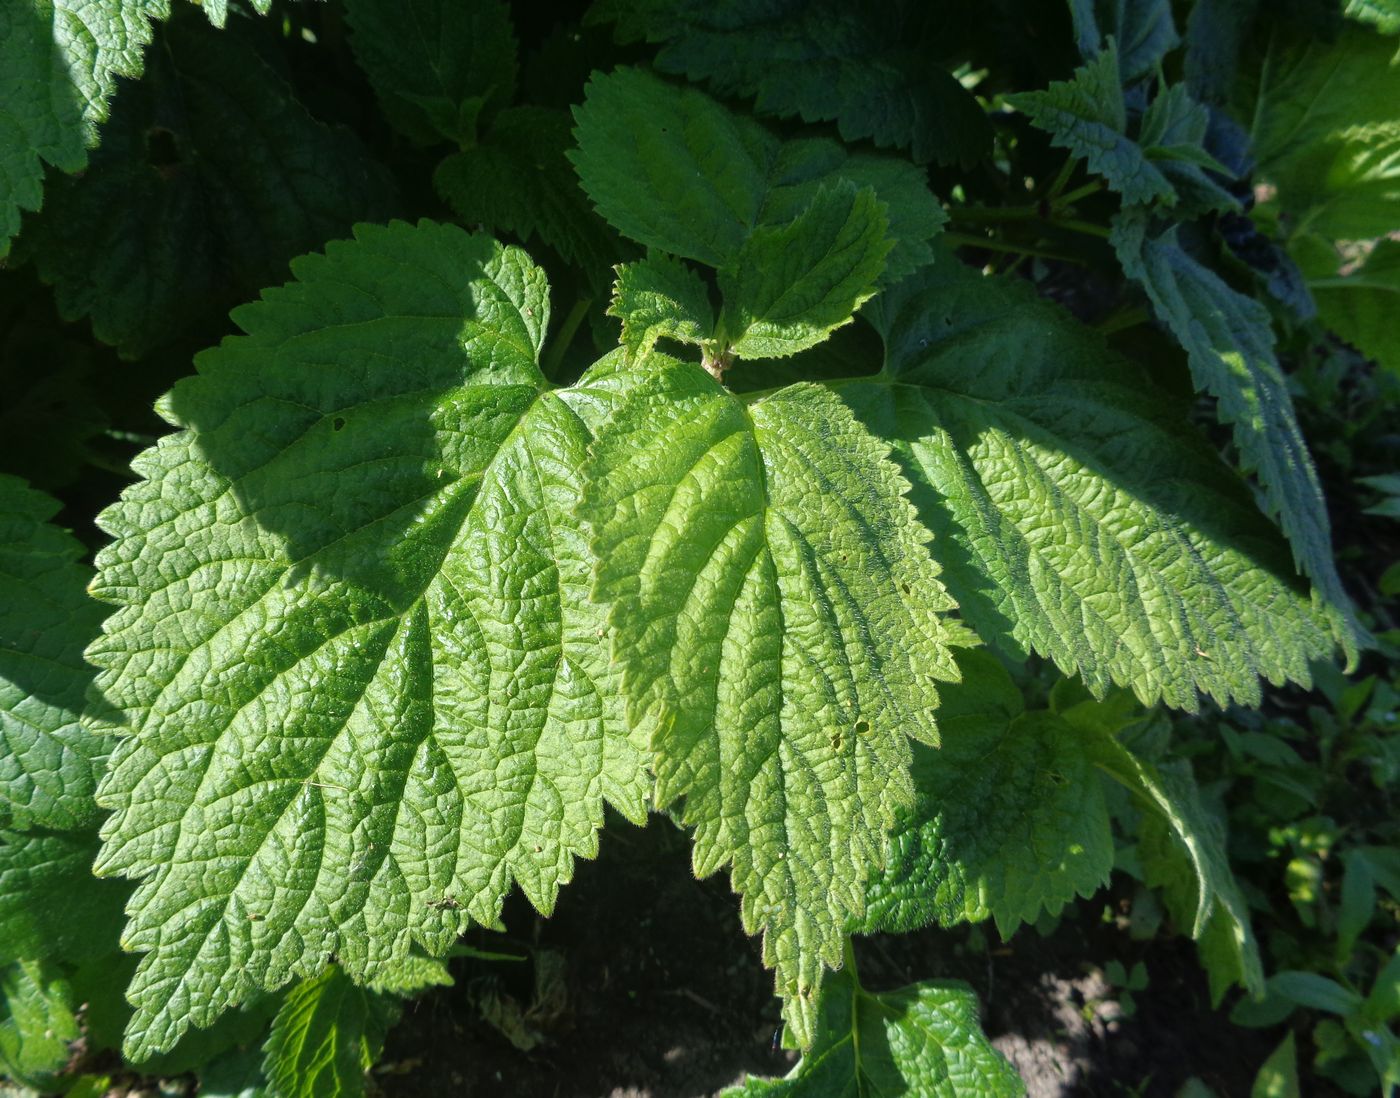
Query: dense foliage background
point(1140, 256)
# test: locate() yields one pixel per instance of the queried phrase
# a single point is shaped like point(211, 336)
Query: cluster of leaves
point(757, 533)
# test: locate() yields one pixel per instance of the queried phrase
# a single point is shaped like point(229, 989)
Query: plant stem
point(1092, 187)
point(1066, 170)
point(967, 240)
point(564, 336)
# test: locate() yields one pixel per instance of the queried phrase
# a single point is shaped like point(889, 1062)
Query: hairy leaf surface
point(924, 1039)
point(779, 624)
point(327, 1034)
point(1076, 515)
point(366, 690)
point(48, 760)
point(436, 65)
point(866, 69)
point(1009, 819)
point(211, 176)
point(1229, 343)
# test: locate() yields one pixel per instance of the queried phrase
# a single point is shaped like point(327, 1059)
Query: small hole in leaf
point(862, 727)
point(836, 742)
point(905, 588)
point(161, 149)
point(338, 423)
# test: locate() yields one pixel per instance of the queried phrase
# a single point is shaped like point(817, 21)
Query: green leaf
point(1384, 15)
point(48, 761)
point(1076, 514)
point(869, 70)
point(779, 625)
point(210, 178)
point(1215, 31)
point(1086, 115)
point(59, 64)
point(1182, 849)
point(326, 1036)
point(436, 65)
point(36, 1023)
point(924, 1039)
point(672, 169)
point(517, 179)
point(1326, 133)
point(1009, 819)
point(1315, 991)
point(364, 687)
point(51, 906)
point(660, 298)
point(1173, 136)
point(1142, 30)
point(1360, 305)
point(791, 285)
point(1229, 343)
point(1278, 1075)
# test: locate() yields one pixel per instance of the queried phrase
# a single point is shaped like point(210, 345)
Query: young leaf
point(516, 179)
point(672, 169)
point(365, 688)
point(326, 1036)
point(1326, 133)
point(791, 285)
point(1229, 344)
point(436, 65)
point(1173, 136)
point(1087, 116)
point(922, 1039)
point(1009, 819)
point(210, 178)
point(660, 298)
point(48, 760)
point(1077, 515)
point(779, 624)
point(867, 69)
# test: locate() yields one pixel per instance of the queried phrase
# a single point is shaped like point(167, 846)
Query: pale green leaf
point(1384, 15)
point(36, 1023)
point(780, 625)
point(1326, 132)
point(1278, 1075)
point(1086, 115)
point(48, 761)
point(792, 284)
point(925, 1039)
point(436, 65)
point(1009, 820)
point(672, 169)
point(1076, 514)
point(365, 689)
point(660, 297)
point(1361, 305)
point(1229, 343)
point(516, 179)
point(869, 69)
point(326, 1036)
point(211, 176)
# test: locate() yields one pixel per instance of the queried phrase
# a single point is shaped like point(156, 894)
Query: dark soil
point(642, 985)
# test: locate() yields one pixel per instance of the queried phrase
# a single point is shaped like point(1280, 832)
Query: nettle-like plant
point(413, 590)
